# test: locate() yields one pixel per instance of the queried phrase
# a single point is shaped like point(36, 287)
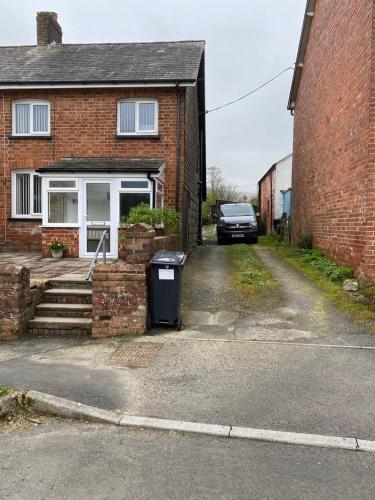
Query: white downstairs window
point(31, 118)
point(137, 117)
point(62, 201)
point(26, 194)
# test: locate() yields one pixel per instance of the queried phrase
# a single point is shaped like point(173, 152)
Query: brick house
point(332, 98)
point(271, 188)
point(90, 130)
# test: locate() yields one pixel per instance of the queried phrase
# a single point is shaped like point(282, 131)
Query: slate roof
point(82, 165)
point(167, 62)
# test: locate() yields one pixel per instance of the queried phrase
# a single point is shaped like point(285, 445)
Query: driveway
point(291, 362)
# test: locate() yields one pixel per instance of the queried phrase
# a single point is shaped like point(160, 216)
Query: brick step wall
point(65, 310)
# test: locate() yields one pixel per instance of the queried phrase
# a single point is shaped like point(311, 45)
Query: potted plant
point(57, 248)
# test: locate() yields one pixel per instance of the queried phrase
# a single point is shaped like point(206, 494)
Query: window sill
point(60, 226)
point(38, 137)
point(139, 136)
point(24, 219)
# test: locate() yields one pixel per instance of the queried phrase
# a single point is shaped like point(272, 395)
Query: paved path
point(44, 268)
point(78, 461)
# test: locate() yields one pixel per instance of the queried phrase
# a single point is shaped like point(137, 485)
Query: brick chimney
point(48, 29)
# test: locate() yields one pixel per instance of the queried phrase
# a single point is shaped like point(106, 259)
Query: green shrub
point(4, 391)
point(167, 218)
point(315, 258)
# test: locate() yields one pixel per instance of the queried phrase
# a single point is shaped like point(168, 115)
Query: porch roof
point(82, 165)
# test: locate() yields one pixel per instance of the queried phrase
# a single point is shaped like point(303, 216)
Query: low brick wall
point(171, 242)
point(15, 299)
point(68, 236)
point(140, 243)
point(119, 299)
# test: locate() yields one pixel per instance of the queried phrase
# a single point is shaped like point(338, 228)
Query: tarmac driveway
point(294, 363)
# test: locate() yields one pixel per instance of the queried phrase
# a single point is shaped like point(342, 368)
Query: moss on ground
point(250, 273)
point(332, 289)
point(4, 391)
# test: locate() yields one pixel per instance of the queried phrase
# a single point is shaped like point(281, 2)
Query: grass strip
point(324, 273)
point(250, 273)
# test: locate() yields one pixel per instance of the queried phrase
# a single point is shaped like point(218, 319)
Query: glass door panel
point(98, 215)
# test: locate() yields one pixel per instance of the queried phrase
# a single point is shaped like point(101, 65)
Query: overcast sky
point(248, 42)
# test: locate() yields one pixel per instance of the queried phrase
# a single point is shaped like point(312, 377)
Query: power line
point(251, 91)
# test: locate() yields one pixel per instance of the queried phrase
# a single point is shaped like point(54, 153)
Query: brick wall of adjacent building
point(333, 165)
point(84, 124)
point(267, 201)
point(119, 299)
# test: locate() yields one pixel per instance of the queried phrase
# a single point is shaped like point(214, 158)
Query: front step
point(68, 296)
point(74, 282)
point(51, 326)
point(55, 310)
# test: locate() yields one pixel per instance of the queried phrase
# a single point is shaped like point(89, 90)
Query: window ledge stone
point(48, 137)
point(138, 136)
point(24, 219)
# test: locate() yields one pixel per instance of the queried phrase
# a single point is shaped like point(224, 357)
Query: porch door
point(98, 215)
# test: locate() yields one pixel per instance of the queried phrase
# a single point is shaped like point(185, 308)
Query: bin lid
point(164, 257)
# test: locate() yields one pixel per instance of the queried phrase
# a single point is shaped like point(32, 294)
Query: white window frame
point(137, 131)
point(62, 189)
point(32, 214)
point(47, 190)
point(32, 103)
point(159, 191)
point(136, 190)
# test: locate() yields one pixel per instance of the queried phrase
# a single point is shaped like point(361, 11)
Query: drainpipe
point(200, 197)
point(178, 100)
point(4, 174)
point(271, 200)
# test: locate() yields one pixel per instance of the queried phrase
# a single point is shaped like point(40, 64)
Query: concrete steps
point(63, 310)
point(66, 308)
point(50, 326)
point(68, 295)
point(73, 282)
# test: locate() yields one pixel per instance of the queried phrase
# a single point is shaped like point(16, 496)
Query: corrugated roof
point(101, 63)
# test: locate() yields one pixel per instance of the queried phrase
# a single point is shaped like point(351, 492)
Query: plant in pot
point(57, 248)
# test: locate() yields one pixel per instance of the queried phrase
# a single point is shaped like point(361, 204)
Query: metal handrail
point(102, 242)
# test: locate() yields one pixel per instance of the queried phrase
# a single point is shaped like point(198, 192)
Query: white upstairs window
point(31, 118)
point(137, 117)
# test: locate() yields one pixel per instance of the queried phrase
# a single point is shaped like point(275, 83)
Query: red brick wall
point(84, 123)
point(68, 236)
point(24, 235)
point(15, 301)
point(119, 299)
point(267, 201)
point(332, 191)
